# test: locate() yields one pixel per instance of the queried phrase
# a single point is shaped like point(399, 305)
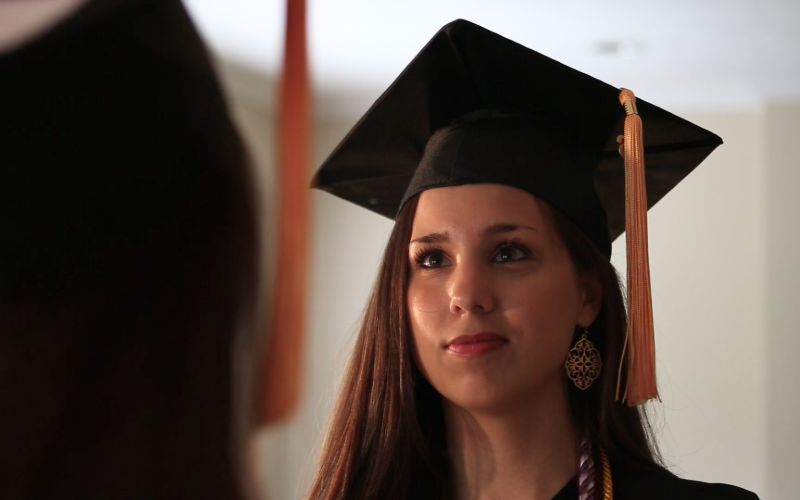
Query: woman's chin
point(481, 397)
point(478, 393)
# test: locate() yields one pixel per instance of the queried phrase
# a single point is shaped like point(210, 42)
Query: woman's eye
point(433, 259)
point(509, 254)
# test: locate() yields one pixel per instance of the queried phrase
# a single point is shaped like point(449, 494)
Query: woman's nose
point(471, 290)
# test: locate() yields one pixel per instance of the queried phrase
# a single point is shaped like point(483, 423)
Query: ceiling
point(679, 53)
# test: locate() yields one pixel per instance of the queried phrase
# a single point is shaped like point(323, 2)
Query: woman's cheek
point(427, 307)
point(425, 296)
point(547, 315)
point(424, 313)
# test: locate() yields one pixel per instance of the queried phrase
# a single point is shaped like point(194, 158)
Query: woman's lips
point(476, 345)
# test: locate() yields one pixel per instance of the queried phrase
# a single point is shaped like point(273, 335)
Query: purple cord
point(586, 472)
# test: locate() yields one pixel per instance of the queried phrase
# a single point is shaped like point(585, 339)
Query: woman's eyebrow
point(493, 229)
point(432, 238)
point(505, 228)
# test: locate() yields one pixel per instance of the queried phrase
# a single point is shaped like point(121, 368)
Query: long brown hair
point(386, 437)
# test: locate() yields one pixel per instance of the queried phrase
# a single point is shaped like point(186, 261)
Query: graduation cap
point(107, 120)
point(474, 107)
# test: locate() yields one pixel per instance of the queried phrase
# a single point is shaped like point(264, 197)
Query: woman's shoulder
point(656, 484)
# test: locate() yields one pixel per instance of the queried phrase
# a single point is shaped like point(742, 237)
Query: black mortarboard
point(474, 107)
point(506, 114)
point(105, 121)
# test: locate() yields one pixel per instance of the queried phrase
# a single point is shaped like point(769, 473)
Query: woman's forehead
point(471, 208)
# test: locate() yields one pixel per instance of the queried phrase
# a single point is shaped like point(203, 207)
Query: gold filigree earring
point(583, 362)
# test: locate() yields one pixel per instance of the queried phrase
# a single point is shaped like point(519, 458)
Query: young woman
point(496, 358)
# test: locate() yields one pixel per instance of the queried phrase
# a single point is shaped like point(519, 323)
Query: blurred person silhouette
point(128, 261)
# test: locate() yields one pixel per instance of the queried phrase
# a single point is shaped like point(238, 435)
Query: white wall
point(725, 281)
point(783, 298)
point(708, 262)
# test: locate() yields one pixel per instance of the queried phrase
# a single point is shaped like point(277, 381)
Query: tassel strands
point(639, 348)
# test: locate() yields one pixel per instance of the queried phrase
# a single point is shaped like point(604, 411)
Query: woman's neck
point(528, 450)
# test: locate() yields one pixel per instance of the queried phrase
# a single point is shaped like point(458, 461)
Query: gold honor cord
point(608, 485)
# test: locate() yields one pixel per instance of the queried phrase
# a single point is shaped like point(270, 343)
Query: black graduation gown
point(636, 483)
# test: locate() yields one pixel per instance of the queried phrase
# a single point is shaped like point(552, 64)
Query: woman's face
point(493, 297)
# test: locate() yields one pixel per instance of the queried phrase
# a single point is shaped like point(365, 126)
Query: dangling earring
point(583, 363)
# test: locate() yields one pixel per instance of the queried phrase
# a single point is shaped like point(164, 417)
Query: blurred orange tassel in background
point(281, 380)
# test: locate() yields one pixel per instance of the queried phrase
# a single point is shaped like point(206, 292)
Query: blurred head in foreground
point(128, 260)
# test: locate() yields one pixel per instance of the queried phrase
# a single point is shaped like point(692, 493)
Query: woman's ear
point(591, 298)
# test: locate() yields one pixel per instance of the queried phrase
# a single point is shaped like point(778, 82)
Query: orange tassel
point(282, 370)
point(639, 344)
